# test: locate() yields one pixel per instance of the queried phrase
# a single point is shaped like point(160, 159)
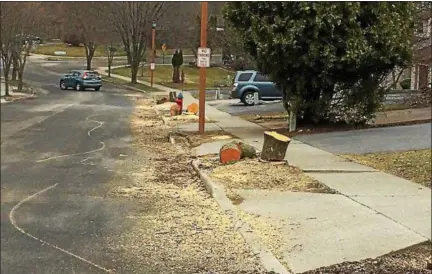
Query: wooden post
point(153, 51)
point(202, 84)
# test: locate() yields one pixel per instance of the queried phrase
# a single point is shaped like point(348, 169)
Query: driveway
point(398, 138)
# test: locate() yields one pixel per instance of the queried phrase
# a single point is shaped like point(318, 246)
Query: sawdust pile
point(251, 173)
point(269, 232)
point(179, 229)
point(194, 139)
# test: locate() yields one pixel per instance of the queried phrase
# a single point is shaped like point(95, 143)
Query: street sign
point(163, 47)
point(203, 57)
point(152, 66)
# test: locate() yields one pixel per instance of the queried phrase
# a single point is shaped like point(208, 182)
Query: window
point(244, 77)
point(261, 78)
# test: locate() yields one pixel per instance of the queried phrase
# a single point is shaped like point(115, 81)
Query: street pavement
point(400, 138)
point(58, 152)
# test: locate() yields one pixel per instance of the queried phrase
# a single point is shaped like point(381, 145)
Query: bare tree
point(28, 28)
point(133, 21)
point(88, 20)
point(9, 28)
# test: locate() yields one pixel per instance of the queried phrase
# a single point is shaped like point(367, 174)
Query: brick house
point(421, 71)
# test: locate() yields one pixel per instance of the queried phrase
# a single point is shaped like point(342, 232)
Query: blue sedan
point(81, 79)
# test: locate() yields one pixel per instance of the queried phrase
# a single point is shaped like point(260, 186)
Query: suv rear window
point(261, 78)
point(244, 77)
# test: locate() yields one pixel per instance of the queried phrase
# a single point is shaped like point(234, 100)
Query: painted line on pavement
point(81, 153)
point(14, 223)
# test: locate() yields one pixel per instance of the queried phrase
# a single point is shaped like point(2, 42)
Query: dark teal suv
point(81, 79)
point(246, 83)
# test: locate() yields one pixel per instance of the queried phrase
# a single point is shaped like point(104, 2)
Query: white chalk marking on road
point(13, 222)
point(73, 154)
point(80, 153)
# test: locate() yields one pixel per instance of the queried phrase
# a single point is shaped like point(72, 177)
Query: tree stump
point(172, 96)
point(175, 110)
point(229, 152)
point(275, 146)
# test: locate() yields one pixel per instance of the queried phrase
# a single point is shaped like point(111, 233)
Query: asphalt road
point(400, 138)
point(56, 216)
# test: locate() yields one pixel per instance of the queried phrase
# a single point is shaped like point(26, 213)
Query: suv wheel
point(248, 98)
point(63, 85)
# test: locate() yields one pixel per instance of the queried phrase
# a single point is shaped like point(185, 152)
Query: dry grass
point(163, 75)
point(121, 82)
point(180, 229)
point(72, 51)
point(251, 173)
point(195, 139)
point(412, 165)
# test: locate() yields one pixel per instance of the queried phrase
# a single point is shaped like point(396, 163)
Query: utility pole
point(152, 64)
point(202, 83)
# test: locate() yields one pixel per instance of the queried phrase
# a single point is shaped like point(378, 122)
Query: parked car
point(246, 83)
point(80, 80)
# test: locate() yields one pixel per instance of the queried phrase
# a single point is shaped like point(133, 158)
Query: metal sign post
point(202, 60)
point(163, 53)
point(152, 64)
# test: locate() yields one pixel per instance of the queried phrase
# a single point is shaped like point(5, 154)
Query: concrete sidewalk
point(374, 213)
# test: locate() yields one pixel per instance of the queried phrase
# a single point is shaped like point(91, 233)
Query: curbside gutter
point(268, 260)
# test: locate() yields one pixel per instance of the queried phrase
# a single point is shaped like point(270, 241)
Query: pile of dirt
point(251, 173)
point(179, 228)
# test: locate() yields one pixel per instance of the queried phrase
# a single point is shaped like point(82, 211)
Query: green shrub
point(405, 84)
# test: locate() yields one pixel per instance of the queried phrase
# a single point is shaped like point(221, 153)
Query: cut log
point(193, 108)
point(175, 110)
point(172, 96)
point(229, 152)
point(275, 146)
point(161, 101)
point(247, 151)
point(236, 150)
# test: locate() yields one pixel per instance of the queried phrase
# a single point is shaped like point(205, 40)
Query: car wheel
point(63, 85)
point(97, 89)
point(78, 87)
point(248, 98)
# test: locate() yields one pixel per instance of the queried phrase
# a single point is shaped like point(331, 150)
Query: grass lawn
point(163, 76)
point(100, 51)
point(71, 51)
point(412, 165)
point(121, 82)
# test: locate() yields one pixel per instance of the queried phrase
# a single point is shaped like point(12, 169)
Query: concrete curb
point(268, 260)
point(126, 87)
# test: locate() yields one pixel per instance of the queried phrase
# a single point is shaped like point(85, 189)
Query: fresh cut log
point(275, 146)
point(234, 151)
